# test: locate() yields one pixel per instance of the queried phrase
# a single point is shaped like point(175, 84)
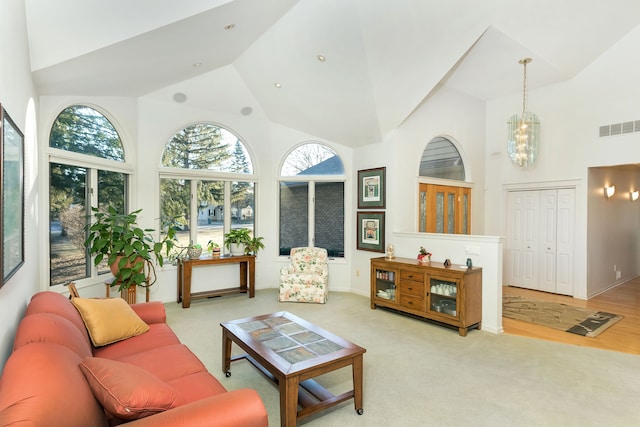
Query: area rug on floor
point(555, 315)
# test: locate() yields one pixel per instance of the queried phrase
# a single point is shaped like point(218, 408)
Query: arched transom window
point(207, 184)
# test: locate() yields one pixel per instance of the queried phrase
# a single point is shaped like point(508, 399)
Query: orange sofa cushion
point(126, 391)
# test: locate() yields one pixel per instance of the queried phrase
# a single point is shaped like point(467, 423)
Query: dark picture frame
point(12, 200)
point(370, 235)
point(371, 188)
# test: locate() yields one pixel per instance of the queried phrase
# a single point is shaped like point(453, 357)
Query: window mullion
point(312, 213)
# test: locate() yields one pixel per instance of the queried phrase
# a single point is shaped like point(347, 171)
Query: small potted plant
point(236, 240)
point(254, 245)
point(213, 248)
point(423, 255)
point(194, 251)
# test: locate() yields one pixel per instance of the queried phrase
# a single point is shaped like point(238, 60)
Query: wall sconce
point(633, 195)
point(609, 191)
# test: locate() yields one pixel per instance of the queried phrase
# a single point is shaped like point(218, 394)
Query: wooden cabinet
point(450, 295)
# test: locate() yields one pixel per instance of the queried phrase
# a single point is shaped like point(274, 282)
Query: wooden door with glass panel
point(444, 209)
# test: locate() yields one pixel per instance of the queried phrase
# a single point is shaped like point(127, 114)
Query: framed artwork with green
point(370, 235)
point(371, 188)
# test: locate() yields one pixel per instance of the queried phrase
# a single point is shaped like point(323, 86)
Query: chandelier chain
point(524, 88)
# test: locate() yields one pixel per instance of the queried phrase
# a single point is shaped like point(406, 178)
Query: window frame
point(92, 164)
point(197, 175)
point(311, 180)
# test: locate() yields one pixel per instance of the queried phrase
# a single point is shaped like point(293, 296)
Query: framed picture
point(12, 200)
point(371, 188)
point(370, 231)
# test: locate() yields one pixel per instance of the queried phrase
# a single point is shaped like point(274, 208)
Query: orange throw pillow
point(126, 391)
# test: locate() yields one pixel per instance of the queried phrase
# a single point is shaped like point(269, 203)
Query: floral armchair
point(306, 278)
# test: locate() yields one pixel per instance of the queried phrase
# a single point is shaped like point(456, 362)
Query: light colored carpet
point(420, 374)
point(576, 320)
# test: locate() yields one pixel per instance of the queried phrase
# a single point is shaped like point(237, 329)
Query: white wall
point(146, 124)
point(571, 114)
point(447, 113)
point(18, 97)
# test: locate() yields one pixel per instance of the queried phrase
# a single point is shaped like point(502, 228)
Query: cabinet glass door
point(386, 284)
point(444, 296)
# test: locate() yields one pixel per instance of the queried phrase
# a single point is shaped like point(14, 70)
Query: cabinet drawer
point(412, 288)
point(411, 275)
point(412, 302)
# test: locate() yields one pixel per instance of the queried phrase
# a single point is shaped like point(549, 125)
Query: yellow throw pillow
point(109, 320)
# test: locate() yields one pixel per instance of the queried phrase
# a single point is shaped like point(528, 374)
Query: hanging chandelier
point(524, 131)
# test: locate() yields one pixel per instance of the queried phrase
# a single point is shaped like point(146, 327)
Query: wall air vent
point(619, 128)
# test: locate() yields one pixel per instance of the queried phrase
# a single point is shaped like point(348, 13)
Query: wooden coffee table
point(291, 352)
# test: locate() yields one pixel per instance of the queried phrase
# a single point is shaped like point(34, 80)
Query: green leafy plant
point(237, 235)
point(254, 245)
point(130, 251)
point(213, 246)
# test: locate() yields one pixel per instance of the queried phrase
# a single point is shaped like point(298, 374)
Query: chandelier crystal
point(523, 131)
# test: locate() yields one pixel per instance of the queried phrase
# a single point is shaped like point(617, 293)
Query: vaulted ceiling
point(349, 71)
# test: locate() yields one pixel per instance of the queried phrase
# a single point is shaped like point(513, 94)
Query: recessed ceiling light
point(277, 85)
point(229, 27)
point(179, 97)
point(196, 64)
point(321, 58)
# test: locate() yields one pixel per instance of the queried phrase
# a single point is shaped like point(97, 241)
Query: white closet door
point(515, 239)
point(522, 238)
point(548, 214)
point(565, 247)
point(531, 249)
point(540, 234)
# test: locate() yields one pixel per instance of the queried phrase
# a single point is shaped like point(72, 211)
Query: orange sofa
point(45, 380)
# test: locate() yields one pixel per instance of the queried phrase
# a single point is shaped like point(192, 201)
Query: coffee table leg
point(226, 353)
point(288, 401)
point(357, 384)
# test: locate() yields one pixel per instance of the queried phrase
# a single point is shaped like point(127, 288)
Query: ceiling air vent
point(605, 131)
point(619, 128)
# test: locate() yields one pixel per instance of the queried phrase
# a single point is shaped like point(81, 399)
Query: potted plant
point(254, 245)
point(213, 248)
point(130, 251)
point(194, 251)
point(423, 255)
point(236, 240)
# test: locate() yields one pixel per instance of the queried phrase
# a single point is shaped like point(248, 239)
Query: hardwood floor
point(624, 336)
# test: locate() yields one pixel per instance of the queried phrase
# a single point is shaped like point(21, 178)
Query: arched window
point(441, 159)
point(444, 199)
point(86, 168)
point(209, 165)
point(312, 200)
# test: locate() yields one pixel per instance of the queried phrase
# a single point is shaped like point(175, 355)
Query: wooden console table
point(247, 264)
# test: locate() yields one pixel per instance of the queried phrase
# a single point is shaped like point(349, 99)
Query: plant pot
point(194, 253)
point(237, 249)
point(215, 253)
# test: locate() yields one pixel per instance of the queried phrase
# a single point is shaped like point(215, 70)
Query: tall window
point(312, 200)
point(444, 199)
point(86, 168)
point(206, 184)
